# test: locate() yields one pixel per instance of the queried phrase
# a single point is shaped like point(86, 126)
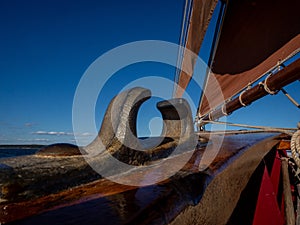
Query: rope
point(241, 100)
point(295, 147)
point(290, 98)
point(269, 72)
point(229, 132)
point(265, 85)
point(224, 111)
point(209, 116)
point(289, 131)
point(183, 40)
point(295, 133)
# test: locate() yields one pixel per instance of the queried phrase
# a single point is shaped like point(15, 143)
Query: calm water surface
point(12, 152)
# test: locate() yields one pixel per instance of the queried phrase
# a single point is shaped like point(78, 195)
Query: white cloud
point(86, 134)
point(61, 133)
point(56, 133)
point(34, 140)
point(41, 139)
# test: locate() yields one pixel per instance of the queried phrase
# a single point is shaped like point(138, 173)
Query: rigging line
point(290, 98)
point(269, 71)
point(241, 100)
point(184, 31)
point(181, 34)
point(295, 150)
point(295, 147)
point(294, 53)
point(265, 85)
point(182, 41)
point(188, 21)
point(221, 132)
point(179, 49)
point(216, 38)
point(265, 128)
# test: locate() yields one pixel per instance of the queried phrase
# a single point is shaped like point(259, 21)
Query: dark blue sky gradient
point(46, 46)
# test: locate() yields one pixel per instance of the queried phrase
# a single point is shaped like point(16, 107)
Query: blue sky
point(46, 46)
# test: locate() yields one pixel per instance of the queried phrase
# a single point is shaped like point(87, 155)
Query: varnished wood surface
point(105, 202)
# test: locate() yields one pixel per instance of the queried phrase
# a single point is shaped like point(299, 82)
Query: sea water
point(6, 152)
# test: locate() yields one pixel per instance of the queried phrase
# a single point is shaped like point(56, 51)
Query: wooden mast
point(275, 82)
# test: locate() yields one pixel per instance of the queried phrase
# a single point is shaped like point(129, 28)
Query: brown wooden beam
point(287, 193)
point(275, 82)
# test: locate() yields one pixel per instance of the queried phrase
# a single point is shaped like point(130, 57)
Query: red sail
point(256, 35)
point(201, 14)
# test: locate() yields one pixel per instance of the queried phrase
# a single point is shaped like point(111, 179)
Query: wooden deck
point(191, 196)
